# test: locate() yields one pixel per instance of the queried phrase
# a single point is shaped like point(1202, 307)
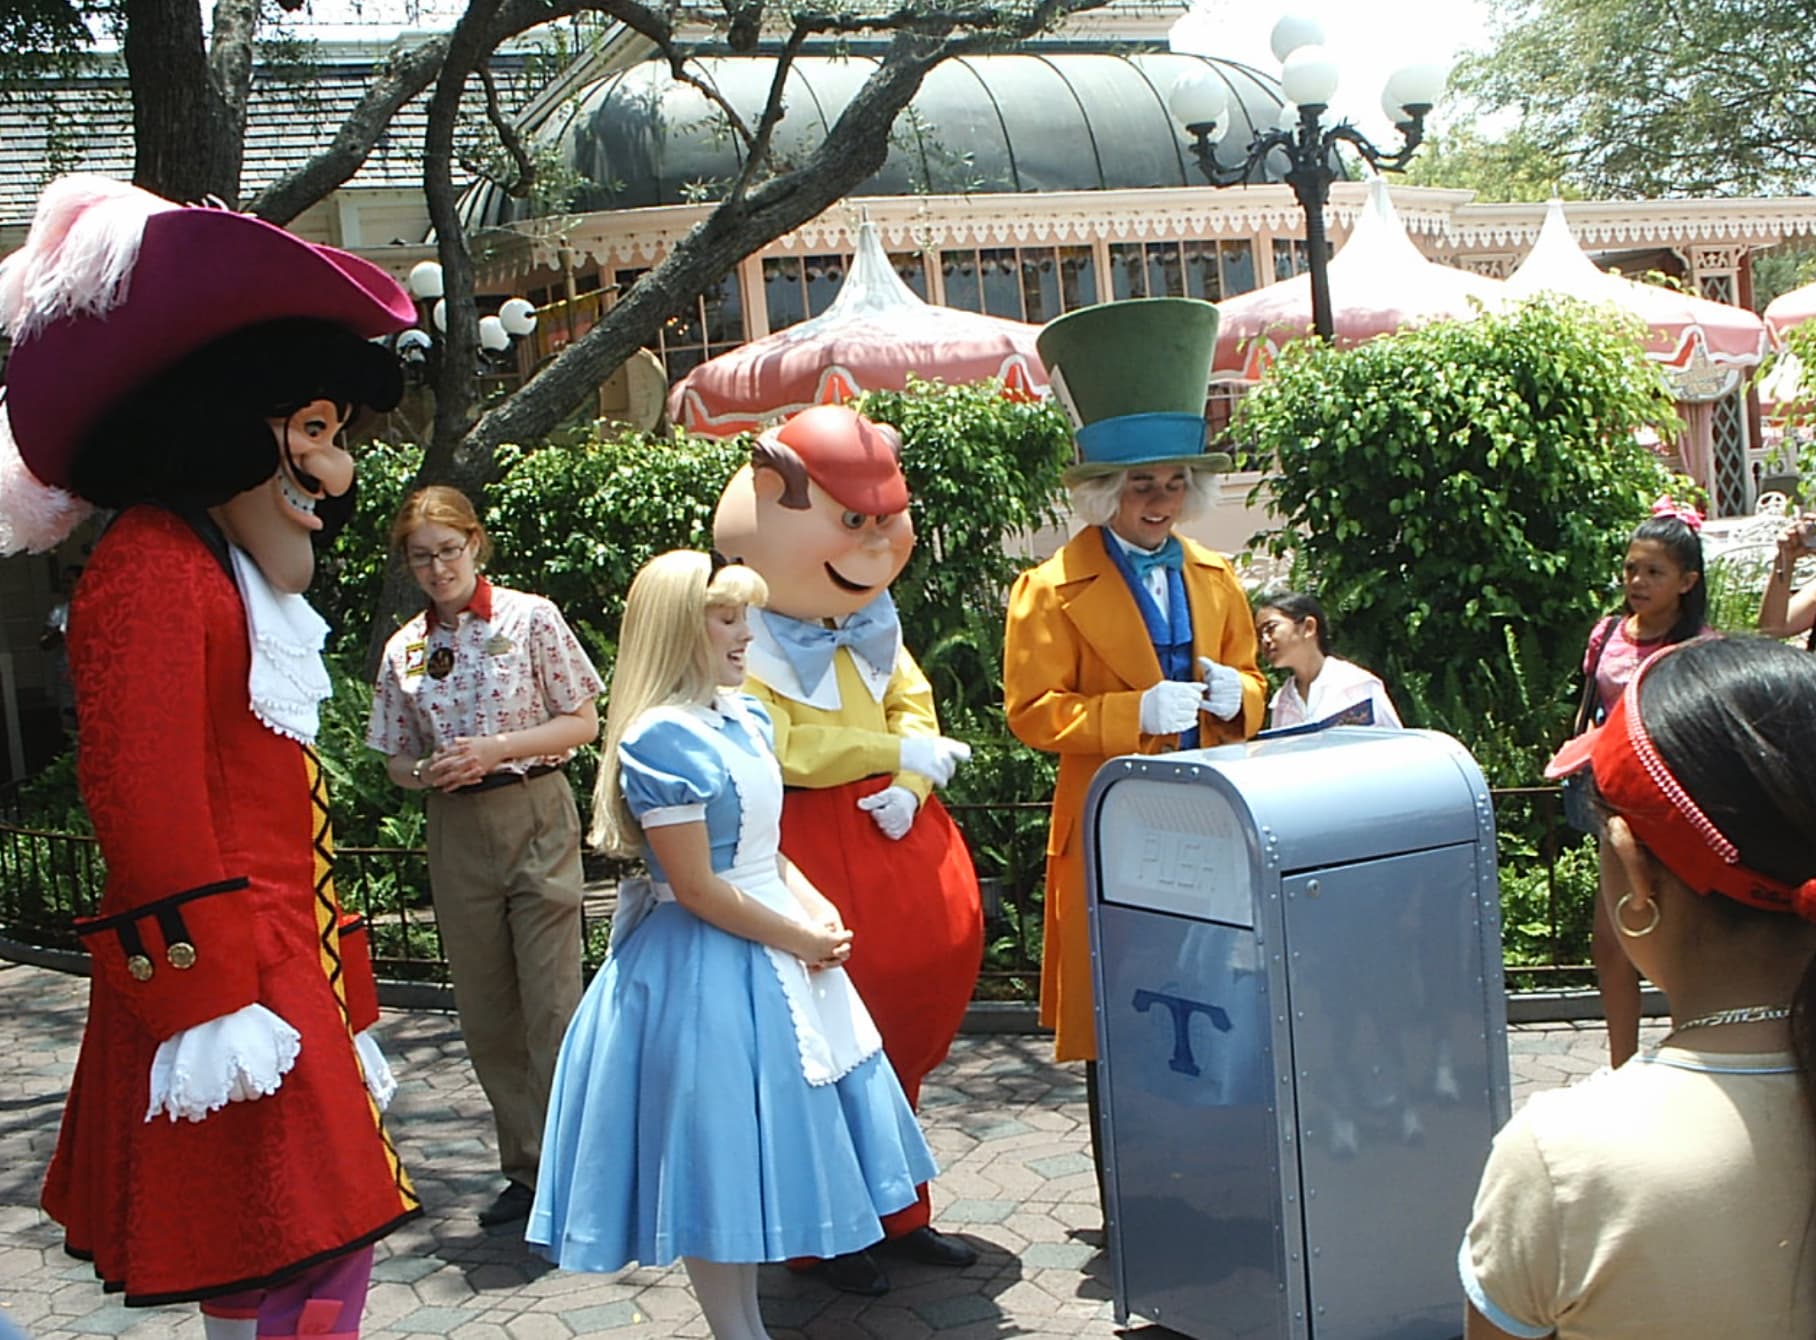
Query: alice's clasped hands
point(935, 757)
point(1170, 707)
point(1222, 689)
point(825, 945)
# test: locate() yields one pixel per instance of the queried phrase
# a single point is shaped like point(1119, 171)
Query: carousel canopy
point(1688, 333)
point(1790, 309)
point(1379, 283)
point(876, 332)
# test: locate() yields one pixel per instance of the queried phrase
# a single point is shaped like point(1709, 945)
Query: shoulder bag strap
point(1586, 709)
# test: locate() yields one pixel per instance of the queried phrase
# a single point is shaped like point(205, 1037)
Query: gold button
point(181, 954)
point(140, 968)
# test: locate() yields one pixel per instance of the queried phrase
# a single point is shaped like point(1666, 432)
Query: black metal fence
point(49, 876)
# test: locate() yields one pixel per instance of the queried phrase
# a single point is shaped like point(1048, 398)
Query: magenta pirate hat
point(115, 286)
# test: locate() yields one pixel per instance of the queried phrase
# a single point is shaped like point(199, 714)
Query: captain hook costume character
point(194, 368)
point(822, 514)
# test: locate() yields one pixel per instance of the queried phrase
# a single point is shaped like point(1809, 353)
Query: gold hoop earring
point(1620, 923)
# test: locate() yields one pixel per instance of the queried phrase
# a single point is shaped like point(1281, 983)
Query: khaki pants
point(504, 865)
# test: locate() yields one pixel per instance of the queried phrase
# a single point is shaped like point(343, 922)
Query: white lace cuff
point(232, 1059)
point(380, 1082)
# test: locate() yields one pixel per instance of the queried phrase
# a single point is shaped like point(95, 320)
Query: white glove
point(893, 808)
point(933, 756)
point(380, 1082)
point(1170, 707)
point(1222, 689)
point(232, 1059)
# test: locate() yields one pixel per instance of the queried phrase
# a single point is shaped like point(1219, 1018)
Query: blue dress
point(693, 1111)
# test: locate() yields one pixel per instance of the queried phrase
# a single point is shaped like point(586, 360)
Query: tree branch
point(525, 177)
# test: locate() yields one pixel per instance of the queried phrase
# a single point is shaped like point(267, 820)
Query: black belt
point(493, 780)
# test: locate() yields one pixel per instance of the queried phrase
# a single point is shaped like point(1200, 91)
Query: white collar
point(288, 679)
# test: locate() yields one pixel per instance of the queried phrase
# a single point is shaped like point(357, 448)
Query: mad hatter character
point(822, 513)
point(195, 368)
point(1131, 639)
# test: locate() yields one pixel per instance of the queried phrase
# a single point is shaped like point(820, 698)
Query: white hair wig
point(1095, 500)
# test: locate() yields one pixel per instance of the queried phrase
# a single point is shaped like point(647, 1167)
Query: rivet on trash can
point(1312, 888)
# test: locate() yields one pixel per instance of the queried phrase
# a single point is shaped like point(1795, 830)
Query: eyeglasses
point(448, 555)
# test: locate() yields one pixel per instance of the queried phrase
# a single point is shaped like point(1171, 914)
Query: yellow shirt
point(863, 737)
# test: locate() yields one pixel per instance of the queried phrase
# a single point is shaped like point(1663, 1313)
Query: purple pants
point(324, 1302)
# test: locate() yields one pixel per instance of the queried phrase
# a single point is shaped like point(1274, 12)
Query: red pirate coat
point(214, 831)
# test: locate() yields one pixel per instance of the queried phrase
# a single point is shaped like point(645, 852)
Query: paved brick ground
point(1007, 1124)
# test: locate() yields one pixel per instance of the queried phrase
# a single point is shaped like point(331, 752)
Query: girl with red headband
point(1676, 1196)
point(1666, 599)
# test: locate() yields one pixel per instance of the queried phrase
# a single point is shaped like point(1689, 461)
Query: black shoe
point(513, 1203)
point(932, 1248)
point(855, 1272)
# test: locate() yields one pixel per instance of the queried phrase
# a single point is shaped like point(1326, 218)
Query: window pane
point(912, 267)
point(1166, 277)
point(1201, 278)
point(1001, 272)
point(1289, 257)
point(679, 362)
point(1238, 259)
point(725, 311)
point(782, 291)
point(1127, 277)
point(1078, 277)
point(824, 275)
point(1040, 284)
point(959, 271)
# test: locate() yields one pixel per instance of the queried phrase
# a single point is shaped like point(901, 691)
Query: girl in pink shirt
point(1666, 601)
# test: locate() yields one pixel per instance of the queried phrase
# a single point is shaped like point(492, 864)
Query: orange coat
point(1076, 659)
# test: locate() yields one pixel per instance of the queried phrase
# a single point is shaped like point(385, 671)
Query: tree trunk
point(188, 113)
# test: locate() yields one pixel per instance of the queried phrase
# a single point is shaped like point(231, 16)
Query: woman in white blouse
point(1295, 636)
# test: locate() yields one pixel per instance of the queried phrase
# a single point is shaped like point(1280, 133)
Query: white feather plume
point(34, 516)
point(78, 257)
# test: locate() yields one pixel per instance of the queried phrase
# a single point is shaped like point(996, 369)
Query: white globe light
point(439, 315)
point(1413, 86)
point(1199, 98)
point(413, 343)
point(1309, 75)
point(1219, 132)
point(1294, 31)
point(518, 315)
point(425, 279)
point(492, 334)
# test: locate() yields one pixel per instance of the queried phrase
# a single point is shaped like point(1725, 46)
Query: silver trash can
point(1301, 1030)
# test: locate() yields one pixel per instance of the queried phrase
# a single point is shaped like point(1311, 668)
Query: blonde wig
point(663, 658)
point(440, 505)
point(1094, 501)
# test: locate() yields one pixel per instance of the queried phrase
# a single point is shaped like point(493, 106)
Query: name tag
point(416, 657)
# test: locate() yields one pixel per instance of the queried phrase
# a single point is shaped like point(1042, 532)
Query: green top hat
point(1132, 377)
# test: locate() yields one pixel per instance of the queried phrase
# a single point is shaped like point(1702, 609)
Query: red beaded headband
point(1636, 783)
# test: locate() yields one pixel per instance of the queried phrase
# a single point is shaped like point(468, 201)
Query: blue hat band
point(1133, 439)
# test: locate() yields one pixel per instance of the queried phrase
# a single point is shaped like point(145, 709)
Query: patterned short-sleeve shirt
point(510, 663)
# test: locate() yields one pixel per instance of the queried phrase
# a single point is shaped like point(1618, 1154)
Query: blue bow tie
point(874, 632)
point(1169, 555)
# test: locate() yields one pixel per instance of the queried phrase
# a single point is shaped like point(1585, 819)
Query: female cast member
point(1295, 635)
point(1782, 613)
point(1666, 601)
point(480, 701)
point(1676, 1197)
point(722, 1095)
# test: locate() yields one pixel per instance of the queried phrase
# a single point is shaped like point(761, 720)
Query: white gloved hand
point(1222, 689)
point(933, 756)
point(1170, 707)
point(380, 1082)
point(233, 1059)
point(893, 808)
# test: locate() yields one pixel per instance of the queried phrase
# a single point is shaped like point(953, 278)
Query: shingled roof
point(84, 124)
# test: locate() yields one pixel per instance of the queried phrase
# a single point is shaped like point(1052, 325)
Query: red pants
point(917, 926)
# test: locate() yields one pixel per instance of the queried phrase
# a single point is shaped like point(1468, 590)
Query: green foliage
point(983, 471)
point(1546, 909)
point(1641, 99)
point(1459, 497)
point(1507, 167)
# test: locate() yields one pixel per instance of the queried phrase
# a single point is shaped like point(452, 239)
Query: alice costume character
point(713, 1098)
point(222, 1139)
